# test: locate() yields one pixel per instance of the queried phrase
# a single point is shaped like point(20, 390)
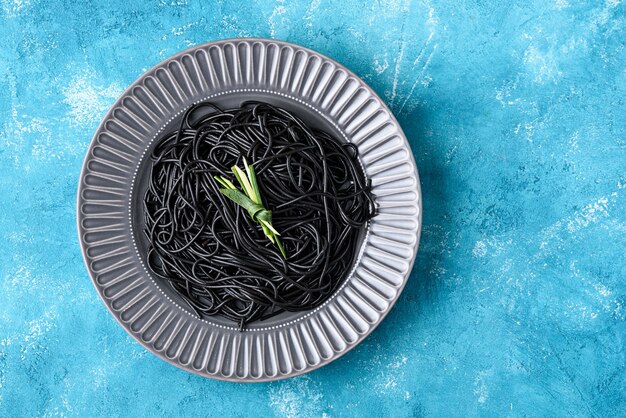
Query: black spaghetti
point(213, 253)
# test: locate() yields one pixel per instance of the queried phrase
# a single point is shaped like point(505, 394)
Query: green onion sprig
point(251, 201)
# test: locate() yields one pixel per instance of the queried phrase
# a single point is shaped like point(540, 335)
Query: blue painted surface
point(516, 113)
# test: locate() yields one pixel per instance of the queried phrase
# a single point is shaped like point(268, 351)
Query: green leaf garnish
point(251, 200)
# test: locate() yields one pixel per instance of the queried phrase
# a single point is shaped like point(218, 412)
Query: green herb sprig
point(251, 200)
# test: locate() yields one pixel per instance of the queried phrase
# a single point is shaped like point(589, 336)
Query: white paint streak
point(581, 311)
point(432, 20)
point(581, 219)
point(480, 387)
point(421, 54)
point(394, 95)
point(30, 339)
point(174, 3)
point(451, 153)
point(588, 215)
point(278, 12)
point(231, 23)
point(14, 8)
point(480, 249)
point(573, 141)
point(396, 73)
point(177, 31)
point(492, 246)
point(388, 382)
point(420, 79)
point(379, 67)
point(393, 7)
point(298, 397)
point(542, 64)
point(399, 362)
point(98, 377)
point(310, 12)
point(617, 312)
point(23, 278)
point(602, 290)
point(357, 35)
point(88, 99)
point(561, 4)
point(601, 294)
point(503, 94)
point(47, 148)
point(575, 44)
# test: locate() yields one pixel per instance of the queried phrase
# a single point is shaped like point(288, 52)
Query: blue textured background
point(516, 113)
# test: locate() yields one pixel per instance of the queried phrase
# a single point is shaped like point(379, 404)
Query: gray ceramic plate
point(113, 179)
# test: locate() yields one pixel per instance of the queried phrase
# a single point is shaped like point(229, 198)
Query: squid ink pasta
point(213, 252)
